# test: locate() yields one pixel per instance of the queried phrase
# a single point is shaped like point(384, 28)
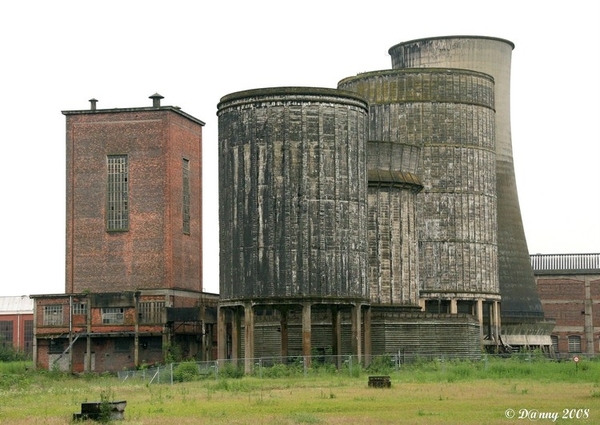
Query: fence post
point(171, 373)
point(350, 365)
point(304, 365)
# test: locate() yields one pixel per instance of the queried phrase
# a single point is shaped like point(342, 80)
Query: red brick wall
point(18, 330)
point(154, 252)
point(563, 298)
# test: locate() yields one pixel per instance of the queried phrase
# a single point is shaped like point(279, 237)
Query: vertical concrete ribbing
point(491, 56)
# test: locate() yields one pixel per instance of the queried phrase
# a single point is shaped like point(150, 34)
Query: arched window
point(574, 344)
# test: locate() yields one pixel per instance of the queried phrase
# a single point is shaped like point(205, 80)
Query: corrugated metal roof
point(10, 305)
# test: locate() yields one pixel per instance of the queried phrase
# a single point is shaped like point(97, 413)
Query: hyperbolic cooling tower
point(292, 194)
point(449, 115)
point(491, 56)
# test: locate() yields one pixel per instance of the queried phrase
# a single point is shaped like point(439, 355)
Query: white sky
point(56, 55)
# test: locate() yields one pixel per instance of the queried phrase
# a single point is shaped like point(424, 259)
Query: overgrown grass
point(427, 392)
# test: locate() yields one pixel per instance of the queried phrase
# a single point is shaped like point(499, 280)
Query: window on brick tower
point(117, 206)
point(186, 196)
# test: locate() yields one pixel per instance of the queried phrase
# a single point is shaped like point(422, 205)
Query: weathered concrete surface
point(491, 56)
point(448, 115)
point(293, 194)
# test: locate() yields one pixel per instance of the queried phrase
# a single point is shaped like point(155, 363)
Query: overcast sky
point(56, 55)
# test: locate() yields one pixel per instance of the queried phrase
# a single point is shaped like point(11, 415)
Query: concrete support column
point(221, 335)
point(306, 332)
point(496, 322)
point(356, 331)
point(35, 340)
point(236, 336)
point(453, 306)
point(248, 337)
point(422, 304)
point(88, 350)
point(136, 335)
point(202, 349)
point(88, 339)
point(283, 326)
point(136, 345)
point(336, 334)
point(367, 319)
point(480, 319)
point(166, 341)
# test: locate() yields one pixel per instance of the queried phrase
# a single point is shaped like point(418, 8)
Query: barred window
point(28, 336)
point(151, 311)
point(53, 315)
point(112, 315)
point(6, 333)
point(554, 339)
point(186, 196)
point(574, 344)
point(80, 309)
point(117, 208)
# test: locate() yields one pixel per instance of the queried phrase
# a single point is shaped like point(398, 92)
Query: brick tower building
point(133, 243)
point(134, 199)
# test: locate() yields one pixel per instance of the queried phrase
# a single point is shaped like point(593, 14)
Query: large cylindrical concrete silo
point(292, 207)
point(520, 301)
point(392, 162)
point(292, 202)
point(449, 115)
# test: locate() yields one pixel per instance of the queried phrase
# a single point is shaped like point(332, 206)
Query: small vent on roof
point(93, 104)
point(156, 100)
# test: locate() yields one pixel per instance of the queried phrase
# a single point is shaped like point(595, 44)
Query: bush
point(187, 371)
point(9, 354)
point(231, 371)
point(382, 365)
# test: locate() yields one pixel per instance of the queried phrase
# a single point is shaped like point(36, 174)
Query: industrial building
point(133, 286)
point(16, 324)
point(380, 227)
point(569, 288)
point(378, 217)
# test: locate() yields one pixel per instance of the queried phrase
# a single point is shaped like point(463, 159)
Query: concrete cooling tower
point(520, 302)
point(293, 219)
point(447, 115)
point(293, 194)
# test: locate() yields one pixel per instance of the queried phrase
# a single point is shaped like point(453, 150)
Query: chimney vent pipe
point(156, 100)
point(93, 104)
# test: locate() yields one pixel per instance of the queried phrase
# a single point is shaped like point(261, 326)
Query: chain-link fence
point(280, 367)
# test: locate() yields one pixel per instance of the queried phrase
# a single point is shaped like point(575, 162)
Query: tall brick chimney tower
point(134, 199)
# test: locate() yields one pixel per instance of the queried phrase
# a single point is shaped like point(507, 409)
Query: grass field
point(426, 393)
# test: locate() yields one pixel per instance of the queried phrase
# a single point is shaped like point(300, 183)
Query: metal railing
point(541, 262)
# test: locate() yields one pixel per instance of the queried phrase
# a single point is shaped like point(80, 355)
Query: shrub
point(187, 371)
point(231, 371)
point(9, 354)
point(382, 365)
